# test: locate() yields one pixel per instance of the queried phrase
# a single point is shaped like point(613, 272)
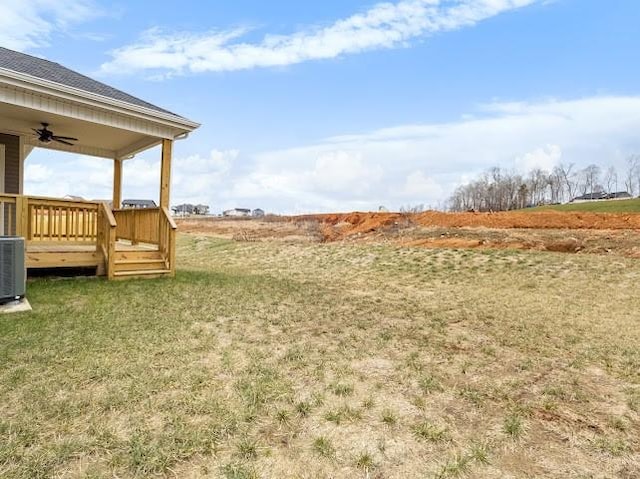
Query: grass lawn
point(329, 360)
point(612, 206)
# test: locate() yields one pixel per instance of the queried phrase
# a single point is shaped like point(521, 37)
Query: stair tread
point(142, 261)
point(141, 272)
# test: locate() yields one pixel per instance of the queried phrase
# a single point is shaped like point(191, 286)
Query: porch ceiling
point(95, 139)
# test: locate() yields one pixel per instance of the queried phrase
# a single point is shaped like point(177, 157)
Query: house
point(139, 204)
point(601, 196)
point(183, 210)
point(189, 209)
point(46, 105)
point(257, 213)
point(237, 212)
point(201, 210)
point(73, 198)
point(620, 195)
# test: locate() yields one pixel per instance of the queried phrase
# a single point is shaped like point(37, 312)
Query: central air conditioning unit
point(12, 269)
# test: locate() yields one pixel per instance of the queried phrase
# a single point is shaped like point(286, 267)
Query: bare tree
point(538, 185)
point(590, 179)
point(523, 194)
point(556, 185)
point(633, 165)
point(412, 209)
point(569, 179)
point(501, 190)
point(637, 172)
point(611, 180)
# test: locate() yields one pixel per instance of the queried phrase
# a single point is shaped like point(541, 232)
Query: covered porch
point(82, 116)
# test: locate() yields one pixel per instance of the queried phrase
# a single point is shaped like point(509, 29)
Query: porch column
point(165, 173)
point(117, 183)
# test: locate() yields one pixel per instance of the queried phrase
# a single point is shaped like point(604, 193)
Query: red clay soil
point(348, 224)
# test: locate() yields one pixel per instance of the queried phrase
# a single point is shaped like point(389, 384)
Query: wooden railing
point(138, 225)
point(8, 217)
point(167, 243)
point(106, 238)
point(48, 219)
point(60, 220)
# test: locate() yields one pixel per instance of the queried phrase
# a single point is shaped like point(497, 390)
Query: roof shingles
point(54, 72)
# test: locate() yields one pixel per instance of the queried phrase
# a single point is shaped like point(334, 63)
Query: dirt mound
point(537, 220)
point(559, 232)
point(569, 245)
point(340, 226)
point(354, 223)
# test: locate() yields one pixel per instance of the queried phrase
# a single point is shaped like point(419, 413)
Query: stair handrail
point(107, 238)
point(167, 239)
point(172, 223)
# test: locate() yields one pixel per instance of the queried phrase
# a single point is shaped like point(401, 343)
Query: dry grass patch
point(273, 359)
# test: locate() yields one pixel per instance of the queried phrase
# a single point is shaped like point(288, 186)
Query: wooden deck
point(85, 248)
point(70, 234)
point(130, 260)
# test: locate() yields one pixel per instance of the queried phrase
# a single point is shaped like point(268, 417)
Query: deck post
point(165, 173)
point(165, 241)
point(134, 226)
point(111, 254)
point(22, 217)
point(117, 183)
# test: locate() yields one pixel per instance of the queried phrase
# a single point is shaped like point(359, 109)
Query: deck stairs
point(140, 264)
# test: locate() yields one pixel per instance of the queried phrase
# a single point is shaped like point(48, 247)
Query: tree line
point(501, 190)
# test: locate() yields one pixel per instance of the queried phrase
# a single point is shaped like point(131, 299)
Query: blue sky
point(351, 104)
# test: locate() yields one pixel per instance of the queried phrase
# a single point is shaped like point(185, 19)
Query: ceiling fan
point(46, 136)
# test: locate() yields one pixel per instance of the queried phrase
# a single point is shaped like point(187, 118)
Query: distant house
point(602, 196)
point(73, 198)
point(183, 210)
point(201, 209)
point(139, 204)
point(237, 212)
point(257, 213)
point(620, 195)
point(188, 209)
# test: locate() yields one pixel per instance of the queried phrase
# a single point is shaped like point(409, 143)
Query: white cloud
point(56, 174)
point(197, 178)
point(402, 165)
point(419, 185)
point(422, 164)
point(546, 158)
point(337, 171)
point(322, 177)
point(194, 179)
point(27, 24)
point(37, 173)
point(385, 25)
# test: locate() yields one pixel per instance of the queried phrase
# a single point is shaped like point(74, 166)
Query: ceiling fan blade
point(38, 132)
point(62, 141)
point(56, 137)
